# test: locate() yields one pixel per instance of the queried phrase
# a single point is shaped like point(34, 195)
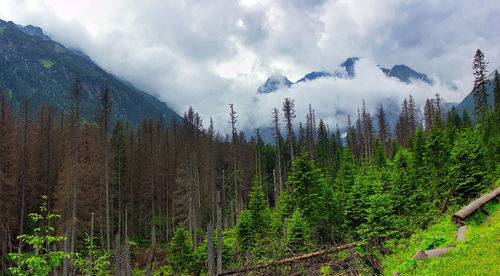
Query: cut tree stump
point(433, 253)
point(460, 216)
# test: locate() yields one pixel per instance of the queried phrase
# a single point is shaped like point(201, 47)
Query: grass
point(47, 63)
point(479, 255)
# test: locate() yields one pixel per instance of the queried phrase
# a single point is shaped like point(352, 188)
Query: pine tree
point(309, 191)
point(429, 113)
point(181, 251)
point(323, 151)
point(466, 120)
point(496, 95)
point(289, 115)
point(383, 130)
point(467, 170)
point(277, 137)
point(480, 82)
point(297, 235)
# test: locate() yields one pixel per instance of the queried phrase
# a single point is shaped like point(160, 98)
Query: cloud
point(207, 54)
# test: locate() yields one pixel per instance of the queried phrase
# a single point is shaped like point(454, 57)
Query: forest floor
point(478, 255)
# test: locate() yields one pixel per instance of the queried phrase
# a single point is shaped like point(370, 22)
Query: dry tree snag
point(292, 260)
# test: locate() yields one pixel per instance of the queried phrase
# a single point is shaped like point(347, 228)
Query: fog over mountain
point(209, 54)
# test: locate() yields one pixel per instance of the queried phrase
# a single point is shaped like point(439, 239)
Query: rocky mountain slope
point(35, 67)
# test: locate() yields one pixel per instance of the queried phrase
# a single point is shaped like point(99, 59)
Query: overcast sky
point(207, 54)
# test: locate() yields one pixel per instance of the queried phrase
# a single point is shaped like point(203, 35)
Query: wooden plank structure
point(291, 260)
point(460, 216)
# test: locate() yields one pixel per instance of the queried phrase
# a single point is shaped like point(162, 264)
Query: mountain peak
point(314, 75)
point(32, 31)
point(348, 65)
point(406, 74)
point(274, 83)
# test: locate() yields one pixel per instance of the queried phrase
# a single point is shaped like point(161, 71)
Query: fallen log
point(460, 216)
point(292, 260)
point(433, 253)
point(460, 234)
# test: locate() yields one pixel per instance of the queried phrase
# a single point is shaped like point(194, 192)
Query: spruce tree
point(310, 193)
point(297, 234)
point(496, 95)
point(480, 82)
point(181, 251)
point(467, 170)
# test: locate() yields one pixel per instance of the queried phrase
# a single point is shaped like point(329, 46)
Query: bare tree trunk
point(65, 261)
point(101, 232)
point(210, 249)
point(126, 267)
point(89, 266)
point(107, 194)
point(219, 233)
point(276, 196)
point(117, 255)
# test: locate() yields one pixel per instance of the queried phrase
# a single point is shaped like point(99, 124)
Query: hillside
point(478, 255)
point(35, 67)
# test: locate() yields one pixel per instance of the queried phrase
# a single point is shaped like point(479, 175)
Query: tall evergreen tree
point(383, 130)
point(480, 82)
point(496, 95)
point(288, 116)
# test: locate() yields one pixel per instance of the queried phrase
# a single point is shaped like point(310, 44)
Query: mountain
point(405, 74)
point(274, 83)
point(349, 68)
point(35, 67)
point(402, 72)
point(314, 75)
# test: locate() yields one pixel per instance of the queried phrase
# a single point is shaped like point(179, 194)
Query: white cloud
point(207, 54)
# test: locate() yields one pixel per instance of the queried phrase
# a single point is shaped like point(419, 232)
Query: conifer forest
point(102, 196)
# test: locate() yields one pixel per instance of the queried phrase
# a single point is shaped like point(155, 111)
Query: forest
point(101, 197)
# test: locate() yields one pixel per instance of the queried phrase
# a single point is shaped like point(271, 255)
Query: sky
point(208, 54)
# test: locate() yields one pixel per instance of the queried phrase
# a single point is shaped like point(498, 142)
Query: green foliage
point(259, 209)
point(41, 261)
point(467, 166)
point(297, 234)
point(466, 120)
point(180, 255)
point(93, 263)
point(246, 231)
point(326, 270)
point(47, 63)
point(254, 222)
point(309, 192)
point(379, 154)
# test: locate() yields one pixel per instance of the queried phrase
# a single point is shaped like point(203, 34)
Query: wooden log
point(433, 253)
point(460, 234)
point(292, 260)
point(461, 215)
